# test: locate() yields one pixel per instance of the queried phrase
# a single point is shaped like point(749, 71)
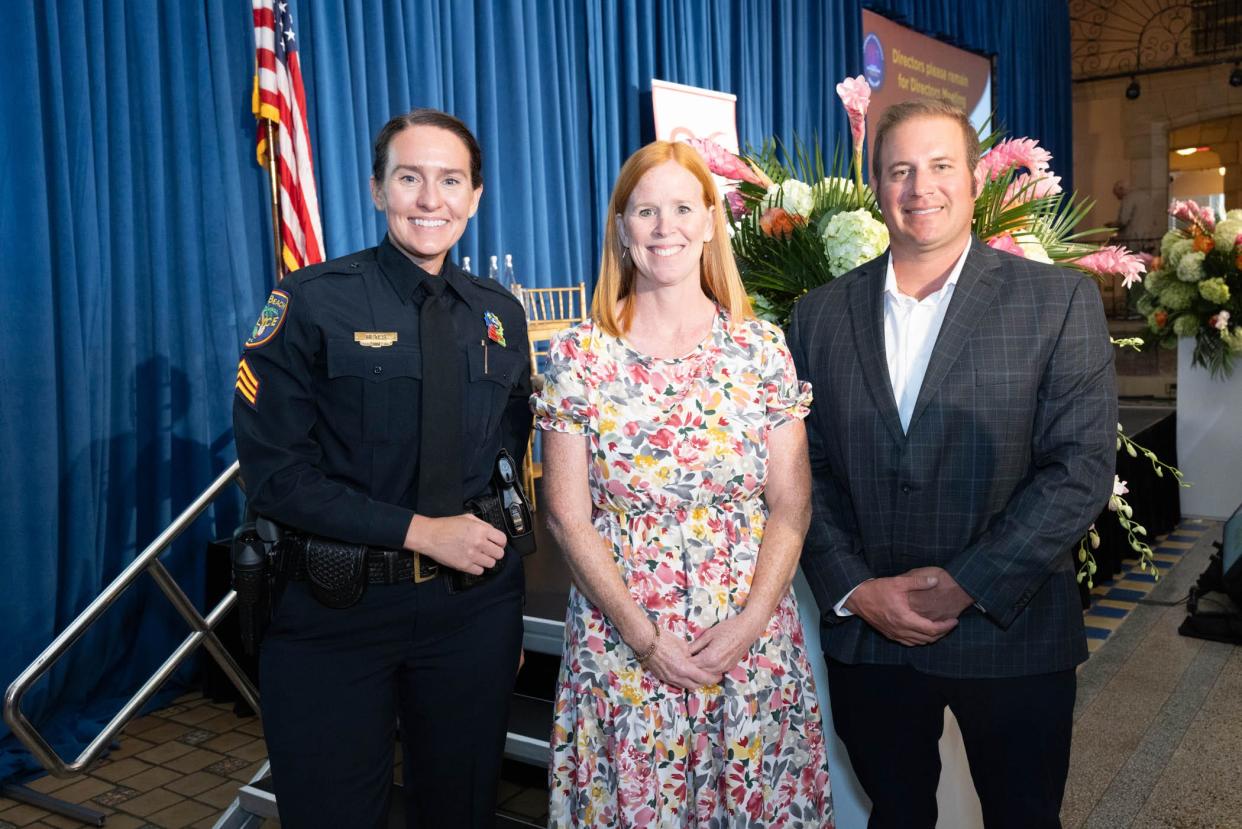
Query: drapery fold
point(136, 244)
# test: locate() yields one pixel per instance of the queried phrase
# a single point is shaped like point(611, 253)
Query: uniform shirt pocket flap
point(500, 365)
point(349, 359)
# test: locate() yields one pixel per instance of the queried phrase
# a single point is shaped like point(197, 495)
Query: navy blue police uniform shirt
point(327, 413)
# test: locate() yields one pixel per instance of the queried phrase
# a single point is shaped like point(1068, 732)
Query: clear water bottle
point(465, 264)
point(493, 269)
point(508, 279)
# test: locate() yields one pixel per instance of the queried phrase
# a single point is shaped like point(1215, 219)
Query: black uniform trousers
point(1016, 732)
point(334, 682)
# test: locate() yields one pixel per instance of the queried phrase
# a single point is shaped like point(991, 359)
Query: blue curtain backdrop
point(135, 238)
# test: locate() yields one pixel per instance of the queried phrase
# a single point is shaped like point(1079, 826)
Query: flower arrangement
point(799, 223)
point(1194, 288)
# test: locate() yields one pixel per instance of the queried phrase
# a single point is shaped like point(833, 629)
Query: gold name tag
point(375, 339)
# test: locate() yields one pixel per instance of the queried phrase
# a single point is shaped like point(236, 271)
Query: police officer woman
point(373, 399)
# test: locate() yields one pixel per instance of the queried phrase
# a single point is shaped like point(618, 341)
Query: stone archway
point(1223, 135)
point(1119, 138)
point(1170, 103)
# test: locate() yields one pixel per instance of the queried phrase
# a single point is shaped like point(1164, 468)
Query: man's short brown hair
point(898, 114)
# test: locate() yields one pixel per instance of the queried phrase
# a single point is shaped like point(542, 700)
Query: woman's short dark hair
point(425, 117)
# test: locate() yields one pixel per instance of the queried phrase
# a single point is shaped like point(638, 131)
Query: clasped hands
point(705, 660)
point(916, 608)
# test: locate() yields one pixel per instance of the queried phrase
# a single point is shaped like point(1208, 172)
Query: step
point(255, 802)
point(542, 635)
point(530, 726)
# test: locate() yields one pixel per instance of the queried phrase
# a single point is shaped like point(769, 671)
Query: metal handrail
point(202, 634)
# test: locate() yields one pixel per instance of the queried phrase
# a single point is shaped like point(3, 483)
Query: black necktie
point(440, 444)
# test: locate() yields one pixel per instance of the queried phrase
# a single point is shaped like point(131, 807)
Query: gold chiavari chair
point(548, 310)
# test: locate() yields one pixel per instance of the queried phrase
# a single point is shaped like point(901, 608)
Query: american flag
point(280, 98)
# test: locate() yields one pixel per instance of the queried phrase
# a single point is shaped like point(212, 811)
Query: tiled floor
point(1157, 731)
point(1113, 599)
point(181, 767)
point(177, 767)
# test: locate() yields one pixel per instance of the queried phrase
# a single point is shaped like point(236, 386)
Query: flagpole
point(274, 181)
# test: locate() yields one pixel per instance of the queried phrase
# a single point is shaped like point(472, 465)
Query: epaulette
point(343, 265)
point(495, 287)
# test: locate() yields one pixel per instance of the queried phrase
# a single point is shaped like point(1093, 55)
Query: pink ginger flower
point(1147, 259)
point(1184, 210)
point(724, 163)
point(855, 93)
point(1207, 217)
point(1114, 260)
point(737, 204)
point(1006, 243)
point(1029, 186)
point(1016, 154)
point(1191, 213)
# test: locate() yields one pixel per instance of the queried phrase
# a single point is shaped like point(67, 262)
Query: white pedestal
point(956, 801)
point(1209, 437)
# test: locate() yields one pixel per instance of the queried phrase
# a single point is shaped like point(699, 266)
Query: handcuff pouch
point(335, 571)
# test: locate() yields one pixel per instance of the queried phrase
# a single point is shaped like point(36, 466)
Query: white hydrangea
point(1177, 250)
point(1226, 233)
point(793, 195)
point(1190, 267)
point(1235, 214)
point(1032, 248)
point(851, 238)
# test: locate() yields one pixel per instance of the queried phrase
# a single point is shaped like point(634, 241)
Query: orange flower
point(1203, 243)
point(1161, 317)
point(1237, 261)
point(779, 223)
point(1158, 263)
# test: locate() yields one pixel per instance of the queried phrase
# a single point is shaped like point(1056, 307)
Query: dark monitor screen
point(1231, 544)
point(1231, 557)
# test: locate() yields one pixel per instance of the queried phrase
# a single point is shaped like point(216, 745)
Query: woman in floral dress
point(677, 484)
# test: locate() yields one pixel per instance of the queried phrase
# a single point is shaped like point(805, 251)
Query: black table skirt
point(1156, 500)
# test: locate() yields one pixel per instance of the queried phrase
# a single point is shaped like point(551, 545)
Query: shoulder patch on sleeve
point(270, 319)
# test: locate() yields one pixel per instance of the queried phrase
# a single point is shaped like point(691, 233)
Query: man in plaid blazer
point(962, 439)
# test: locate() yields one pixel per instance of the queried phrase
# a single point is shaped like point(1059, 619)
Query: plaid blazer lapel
point(973, 295)
point(867, 320)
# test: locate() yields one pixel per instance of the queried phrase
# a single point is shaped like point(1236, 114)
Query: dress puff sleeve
point(787, 398)
point(562, 404)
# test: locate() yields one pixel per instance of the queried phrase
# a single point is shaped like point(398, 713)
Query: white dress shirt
point(911, 327)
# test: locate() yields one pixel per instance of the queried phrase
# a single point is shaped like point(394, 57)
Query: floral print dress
point(678, 466)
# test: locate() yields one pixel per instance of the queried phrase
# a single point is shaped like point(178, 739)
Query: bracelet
point(655, 640)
